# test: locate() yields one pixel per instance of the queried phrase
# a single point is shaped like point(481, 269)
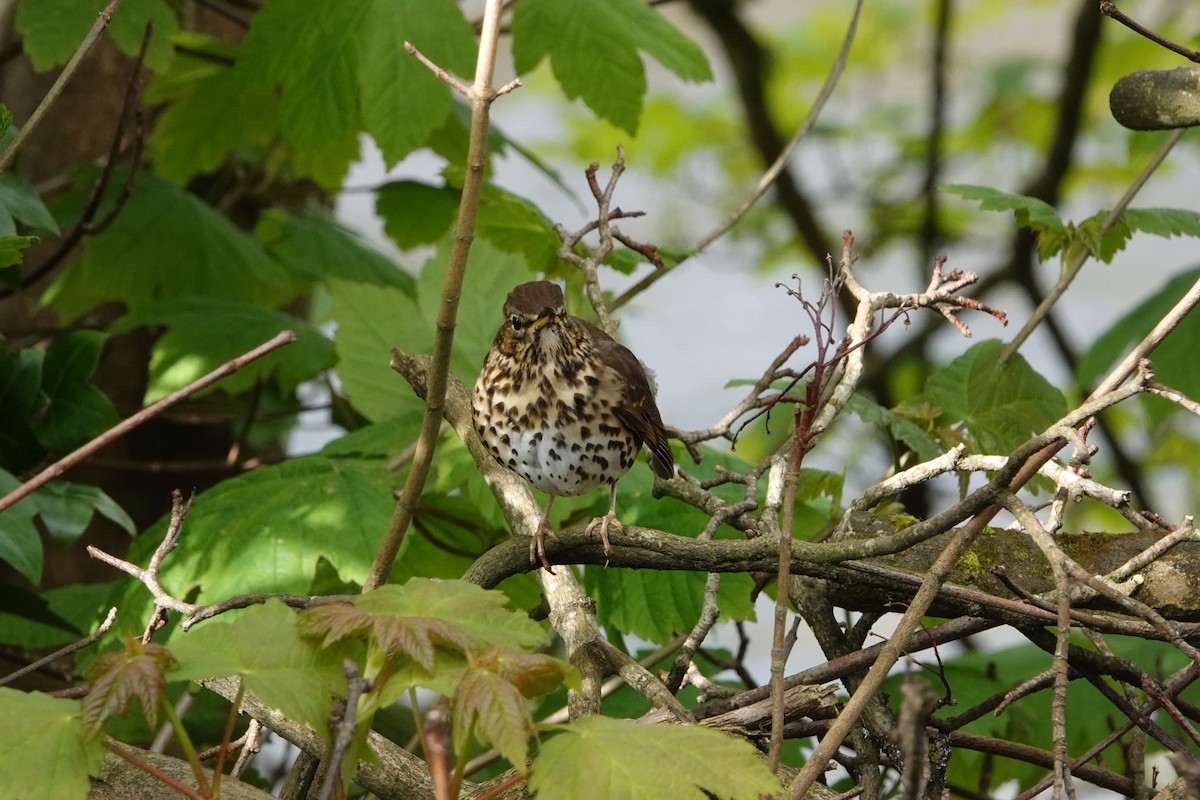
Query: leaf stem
point(168, 780)
point(185, 743)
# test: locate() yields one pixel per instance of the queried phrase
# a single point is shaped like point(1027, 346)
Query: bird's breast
point(555, 427)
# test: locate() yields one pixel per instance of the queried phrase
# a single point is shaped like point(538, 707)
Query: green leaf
point(1164, 222)
point(515, 225)
point(372, 320)
point(599, 757)
point(66, 509)
point(52, 31)
point(188, 349)
point(198, 57)
point(1000, 405)
point(402, 102)
point(21, 397)
point(53, 618)
point(416, 213)
point(12, 249)
point(43, 752)
point(20, 544)
point(265, 647)
point(1030, 212)
point(318, 247)
point(655, 609)
point(167, 242)
point(222, 113)
point(593, 50)
point(77, 411)
point(482, 613)
point(898, 427)
point(275, 523)
point(379, 439)
point(313, 54)
point(19, 202)
point(492, 710)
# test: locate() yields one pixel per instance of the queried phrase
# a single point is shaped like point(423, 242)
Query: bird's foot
point(537, 545)
point(603, 522)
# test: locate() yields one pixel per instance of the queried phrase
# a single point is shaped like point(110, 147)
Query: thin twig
point(344, 725)
point(86, 225)
point(1071, 269)
point(772, 173)
point(86, 641)
point(1109, 9)
point(481, 95)
point(249, 748)
point(68, 461)
point(170, 780)
point(101, 23)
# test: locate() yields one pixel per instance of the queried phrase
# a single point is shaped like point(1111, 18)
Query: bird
point(565, 406)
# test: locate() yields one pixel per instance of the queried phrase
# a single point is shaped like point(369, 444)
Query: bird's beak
point(544, 318)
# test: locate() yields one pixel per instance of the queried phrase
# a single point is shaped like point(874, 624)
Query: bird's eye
point(518, 323)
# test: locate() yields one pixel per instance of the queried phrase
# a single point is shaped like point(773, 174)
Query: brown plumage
point(564, 405)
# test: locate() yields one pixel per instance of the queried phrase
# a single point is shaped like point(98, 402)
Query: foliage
point(598, 757)
point(218, 228)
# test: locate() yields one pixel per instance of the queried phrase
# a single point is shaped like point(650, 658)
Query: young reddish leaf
point(410, 636)
point(480, 613)
point(334, 622)
point(533, 674)
point(118, 677)
point(418, 638)
point(494, 710)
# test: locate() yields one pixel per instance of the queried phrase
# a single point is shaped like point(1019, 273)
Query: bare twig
point(87, 224)
point(1072, 268)
point(149, 575)
point(772, 173)
point(1175, 396)
point(605, 214)
point(249, 748)
point(98, 28)
point(86, 641)
point(65, 463)
point(1109, 9)
point(344, 724)
point(708, 608)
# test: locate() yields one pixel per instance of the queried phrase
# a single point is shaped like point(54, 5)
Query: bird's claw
point(537, 546)
point(603, 522)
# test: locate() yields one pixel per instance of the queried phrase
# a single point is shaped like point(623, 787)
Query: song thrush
point(563, 405)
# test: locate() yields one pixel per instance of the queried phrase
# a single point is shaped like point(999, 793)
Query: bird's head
point(534, 316)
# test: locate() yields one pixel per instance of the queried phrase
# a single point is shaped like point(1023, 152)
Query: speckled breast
point(561, 436)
